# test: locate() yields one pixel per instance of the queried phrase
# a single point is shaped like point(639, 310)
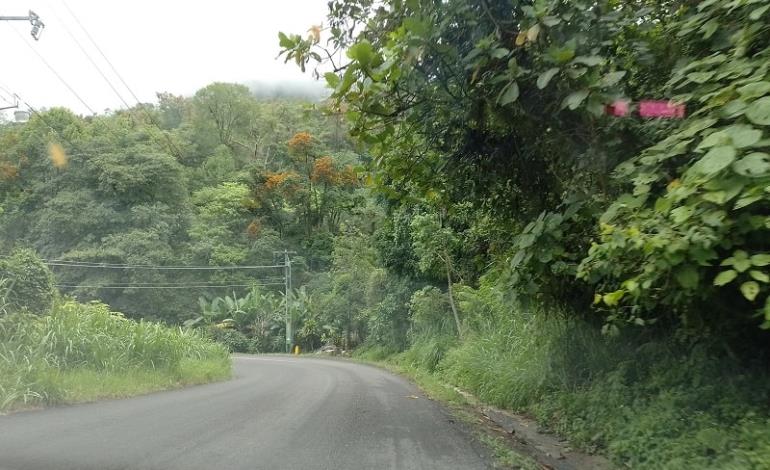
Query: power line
point(53, 70)
point(270, 281)
point(104, 56)
point(90, 264)
point(90, 59)
point(174, 149)
point(154, 267)
point(191, 286)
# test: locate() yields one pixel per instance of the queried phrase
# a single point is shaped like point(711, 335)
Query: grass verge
point(86, 352)
point(494, 439)
point(645, 402)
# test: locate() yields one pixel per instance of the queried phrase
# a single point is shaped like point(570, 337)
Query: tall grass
point(646, 403)
point(41, 355)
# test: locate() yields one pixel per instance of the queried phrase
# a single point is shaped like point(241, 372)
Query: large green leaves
point(362, 51)
point(544, 78)
point(715, 160)
point(509, 94)
point(575, 99)
point(758, 112)
point(754, 164)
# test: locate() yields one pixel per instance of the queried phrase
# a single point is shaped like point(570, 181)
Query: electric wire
point(189, 283)
point(91, 60)
point(99, 49)
point(93, 264)
point(158, 267)
point(150, 117)
point(53, 70)
point(227, 286)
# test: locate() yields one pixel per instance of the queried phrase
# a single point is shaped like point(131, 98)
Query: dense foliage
point(526, 214)
point(497, 109)
point(488, 222)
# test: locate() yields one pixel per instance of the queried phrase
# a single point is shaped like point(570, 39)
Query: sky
point(161, 45)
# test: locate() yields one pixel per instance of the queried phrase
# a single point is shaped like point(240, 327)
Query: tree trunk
point(451, 294)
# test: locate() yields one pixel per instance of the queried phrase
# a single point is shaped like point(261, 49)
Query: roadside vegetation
point(463, 205)
point(61, 351)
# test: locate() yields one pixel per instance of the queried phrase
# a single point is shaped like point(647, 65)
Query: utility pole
point(287, 292)
point(37, 25)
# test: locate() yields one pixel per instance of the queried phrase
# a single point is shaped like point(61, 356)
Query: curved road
point(277, 413)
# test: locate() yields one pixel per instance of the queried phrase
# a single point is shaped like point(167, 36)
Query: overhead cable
point(191, 286)
point(91, 60)
point(53, 70)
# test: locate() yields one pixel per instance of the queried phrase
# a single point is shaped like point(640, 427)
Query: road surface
point(277, 413)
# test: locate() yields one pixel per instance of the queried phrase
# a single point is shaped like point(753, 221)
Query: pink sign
point(618, 108)
point(661, 109)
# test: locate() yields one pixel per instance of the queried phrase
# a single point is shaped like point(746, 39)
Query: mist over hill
point(312, 91)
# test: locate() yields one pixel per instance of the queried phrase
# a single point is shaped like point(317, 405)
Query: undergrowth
point(644, 403)
point(84, 352)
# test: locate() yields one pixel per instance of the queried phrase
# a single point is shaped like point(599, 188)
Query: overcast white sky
point(160, 45)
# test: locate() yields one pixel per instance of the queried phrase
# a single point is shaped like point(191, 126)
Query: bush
point(29, 284)
point(646, 401)
point(234, 340)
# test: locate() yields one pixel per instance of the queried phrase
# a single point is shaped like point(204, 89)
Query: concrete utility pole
point(287, 292)
point(37, 25)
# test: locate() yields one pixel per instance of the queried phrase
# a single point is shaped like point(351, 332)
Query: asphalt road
point(277, 413)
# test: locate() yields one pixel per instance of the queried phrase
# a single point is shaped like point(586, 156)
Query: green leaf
point(759, 276)
point(761, 259)
point(499, 52)
point(613, 298)
point(697, 126)
point(733, 109)
point(700, 77)
point(743, 136)
point(362, 51)
point(758, 112)
point(332, 79)
point(561, 55)
point(533, 33)
point(754, 90)
point(746, 201)
point(687, 276)
point(551, 20)
point(742, 264)
point(415, 26)
point(750, 289)
point(757, 13)
point(612, 78)
point(285, 42)
point(681, 214)
point(590, 61)
point(710, 28)
point(574, 99)
point(715, 160)
point(545, 77)
point(725, 277)
point(754, 165)
point(509, 94)
point(714, 139)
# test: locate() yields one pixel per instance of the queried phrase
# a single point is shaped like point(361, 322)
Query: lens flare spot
point(58, 155)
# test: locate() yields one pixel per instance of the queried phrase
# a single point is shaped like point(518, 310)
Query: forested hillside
point(220, 178)
point(464, 204)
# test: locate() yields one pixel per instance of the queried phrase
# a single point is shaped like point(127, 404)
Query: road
point(277, 413)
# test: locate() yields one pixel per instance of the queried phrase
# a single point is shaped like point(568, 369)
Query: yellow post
point(296, 350)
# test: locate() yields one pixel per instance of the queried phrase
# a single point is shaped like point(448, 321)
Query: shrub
point(29, 283)
point(234, 340)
